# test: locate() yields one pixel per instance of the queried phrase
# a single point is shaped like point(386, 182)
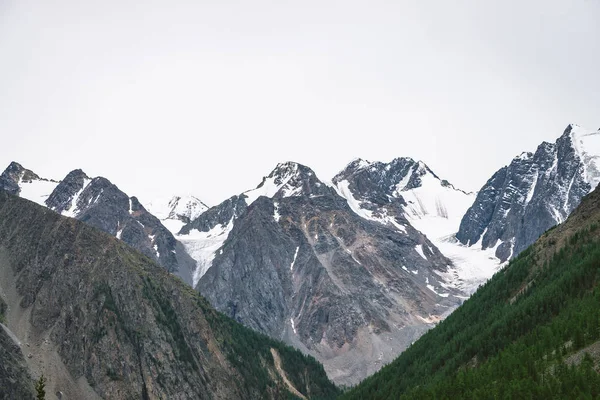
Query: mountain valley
point(351, 271)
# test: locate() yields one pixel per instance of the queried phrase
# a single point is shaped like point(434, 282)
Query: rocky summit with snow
point(292, 259)
point(405, 188)
point(533, 193)
point(351, 271)
point(99, 203)
point(23, 182)
point(177, 211)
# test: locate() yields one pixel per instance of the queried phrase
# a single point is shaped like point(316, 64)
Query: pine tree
point(40, 386)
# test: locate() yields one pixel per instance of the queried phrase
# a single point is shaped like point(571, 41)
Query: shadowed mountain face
point(294, 261)
point(532, 194)
point(99, 203)
point(15, 379)
point(104, 321)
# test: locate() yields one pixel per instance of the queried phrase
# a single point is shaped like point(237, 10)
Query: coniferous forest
point(532, 331)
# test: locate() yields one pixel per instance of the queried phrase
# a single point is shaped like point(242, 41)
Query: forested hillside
point(532, 331)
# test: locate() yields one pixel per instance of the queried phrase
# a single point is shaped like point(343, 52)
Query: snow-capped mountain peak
point(413, 182)
point(177, 211)
point(288, 179)
point(20, 181)
point(184, 208)
point(533, 193)
point(65, 200)
point(357, 163)
point(405, 190)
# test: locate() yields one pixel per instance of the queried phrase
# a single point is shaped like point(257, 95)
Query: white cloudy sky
point(205, 97)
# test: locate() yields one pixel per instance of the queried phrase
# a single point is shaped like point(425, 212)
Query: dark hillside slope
point(532, 331)
point(101, 320)
point(15, 381)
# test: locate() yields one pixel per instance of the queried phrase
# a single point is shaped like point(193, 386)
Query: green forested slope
point(520, 334)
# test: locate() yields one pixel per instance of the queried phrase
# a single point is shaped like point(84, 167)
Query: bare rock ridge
point(297, 263)
point(103, 205)
point(535, 192)
point(350, 271)
point(102, 320)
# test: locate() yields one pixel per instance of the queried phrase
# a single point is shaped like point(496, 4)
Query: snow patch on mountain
point(587, 147)
point(419, 249)
point(471, 266)
point(276, 215)
point(294, 260)
point(73, 209)
point(203, 246)
point(37, 190)
point(431, 205)
point(279, 180)
point(345, 192)
point(434, 207)
point(176, 211)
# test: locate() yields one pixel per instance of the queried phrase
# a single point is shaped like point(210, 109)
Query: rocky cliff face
point(408, 190)
point(532, 194)
point(103, 205)
point(101, 320)
point(15, 379)
point(291, 259)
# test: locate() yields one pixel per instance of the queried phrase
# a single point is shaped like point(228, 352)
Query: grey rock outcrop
point(15, 380)
point(532, 194)
point(300, 265)
point(101, 204)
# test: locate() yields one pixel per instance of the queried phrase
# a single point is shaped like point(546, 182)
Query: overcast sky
point(206, 97)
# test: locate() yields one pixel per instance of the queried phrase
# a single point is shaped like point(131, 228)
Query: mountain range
point(352, 270)
point(102, 320)
point(530, 332)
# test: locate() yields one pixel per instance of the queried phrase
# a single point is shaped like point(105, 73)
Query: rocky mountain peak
point(185, 208)
point(289, 179)
point(76, 175)
point(586, 144)
point(533, 193)
point(378, 182)
point(357, 164)
point(12, 175)
point(23, 182)
point(64, 197)
point(16, 169)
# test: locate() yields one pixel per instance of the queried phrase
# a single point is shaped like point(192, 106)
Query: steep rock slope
point(291, 259)
point(101, 320)
point(530, 332)
point(98, 202)
point(535, 192)
point(15, 380)
point(405, 188)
